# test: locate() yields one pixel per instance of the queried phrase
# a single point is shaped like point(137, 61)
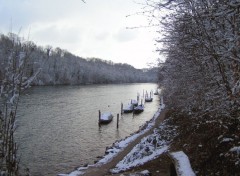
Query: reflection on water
point(58, 126)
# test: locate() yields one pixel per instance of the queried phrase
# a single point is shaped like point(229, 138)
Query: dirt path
point(104, 169)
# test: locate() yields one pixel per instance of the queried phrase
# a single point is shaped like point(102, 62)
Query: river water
point(58, 126)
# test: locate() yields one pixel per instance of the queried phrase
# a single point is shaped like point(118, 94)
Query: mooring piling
point(121, 108)
point(117, 121)
point(99, 117)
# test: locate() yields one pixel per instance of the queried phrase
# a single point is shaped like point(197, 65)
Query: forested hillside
point(59, 66)
point(201, 79)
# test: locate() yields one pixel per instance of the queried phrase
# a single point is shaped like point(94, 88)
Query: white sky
point(96, 28)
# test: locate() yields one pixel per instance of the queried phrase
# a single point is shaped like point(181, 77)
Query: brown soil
point(200, 139)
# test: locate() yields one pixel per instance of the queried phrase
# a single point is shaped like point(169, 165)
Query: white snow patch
point(220, 137)
point(148, 149)
point(145, 172)
point(235, 149)
point(136, 158)
point(184, 166)
point(226, 140)
point(13, 98)
point(106, 116)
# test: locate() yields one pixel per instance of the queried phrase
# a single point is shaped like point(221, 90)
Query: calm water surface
point(58, 126)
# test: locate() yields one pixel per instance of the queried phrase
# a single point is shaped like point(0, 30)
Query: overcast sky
point(96, 28)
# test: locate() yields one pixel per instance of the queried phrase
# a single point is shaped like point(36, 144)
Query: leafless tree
point(14, 80)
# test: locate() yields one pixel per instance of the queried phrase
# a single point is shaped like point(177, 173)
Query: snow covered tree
point(15, 78)
point(201, 42)
point(200, 78)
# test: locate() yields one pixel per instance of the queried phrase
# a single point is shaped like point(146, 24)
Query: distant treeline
point(59, 66)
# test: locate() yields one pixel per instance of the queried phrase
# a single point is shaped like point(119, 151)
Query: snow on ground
point(226, 140)
point(236, 150)
point(183, 164)
point(148, 149)
point(118, 146)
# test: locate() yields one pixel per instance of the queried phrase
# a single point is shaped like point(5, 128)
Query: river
point(58, 125)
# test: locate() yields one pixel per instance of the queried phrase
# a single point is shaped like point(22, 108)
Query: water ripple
point(58, 126)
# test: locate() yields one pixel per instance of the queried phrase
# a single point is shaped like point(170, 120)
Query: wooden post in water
point(99, 117)
point(121, 108)
point(117, 121)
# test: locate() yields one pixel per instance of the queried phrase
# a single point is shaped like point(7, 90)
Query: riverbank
point(212, 146)
point(205, 143)
point(122, 155)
